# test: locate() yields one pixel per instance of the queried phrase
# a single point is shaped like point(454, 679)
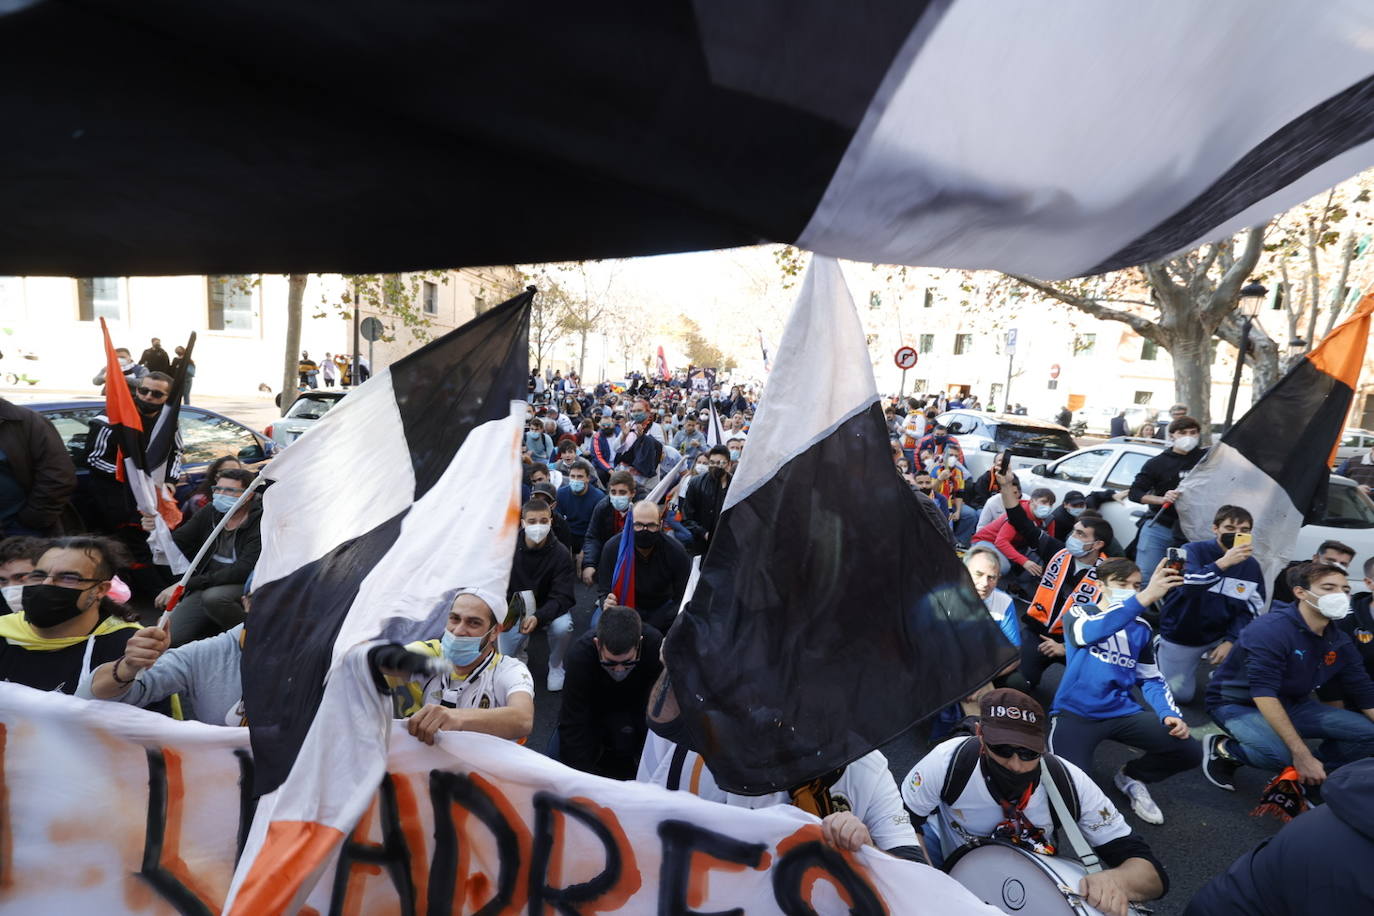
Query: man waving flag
point(830, 614)
point(1276, 460)
point(375, 518)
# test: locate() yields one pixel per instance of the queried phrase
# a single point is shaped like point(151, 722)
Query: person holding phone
point(1223, 589)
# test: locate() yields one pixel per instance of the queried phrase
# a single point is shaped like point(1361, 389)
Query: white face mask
point(1332, 606)
point(535, 534)
point(1121, 594)
point(1185, 443)
point(13, 594)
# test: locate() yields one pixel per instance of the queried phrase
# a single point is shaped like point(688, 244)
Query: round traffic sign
point(371, 328)
point(1054, 371)
point(905, 357)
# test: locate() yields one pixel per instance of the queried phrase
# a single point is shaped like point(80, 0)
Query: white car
point(303, 413)
point(983, 436)
point(1113, 465)
point(1354, 443)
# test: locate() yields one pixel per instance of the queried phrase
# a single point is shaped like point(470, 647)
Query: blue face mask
point(639, 416)
point(461, 650)
point(620, 503)
point(223, 502)
point(1075, 546)
point(577, 486)
point(1074, 511)
point(1121, 594)
point(734, 454)
point(1042, 510)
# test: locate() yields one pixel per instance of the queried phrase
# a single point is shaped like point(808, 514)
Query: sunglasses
point(1011, 750)
point(153, 393)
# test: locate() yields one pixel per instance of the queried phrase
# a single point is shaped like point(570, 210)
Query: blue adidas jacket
point(1279, 656)
point(1107, 654)
point(1213, 603)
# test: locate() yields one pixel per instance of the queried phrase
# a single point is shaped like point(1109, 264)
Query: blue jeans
point(1150, 545)
point(1348, 736)
point(966, 525)
point(560, 634)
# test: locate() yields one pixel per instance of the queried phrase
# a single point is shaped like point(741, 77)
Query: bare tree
point(295, 301)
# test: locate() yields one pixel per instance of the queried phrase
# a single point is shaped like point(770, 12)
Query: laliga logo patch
point(1013, 712)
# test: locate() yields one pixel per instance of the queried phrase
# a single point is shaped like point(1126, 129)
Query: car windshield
point(1347, 507)
point(1034, 441)
point(309, 408)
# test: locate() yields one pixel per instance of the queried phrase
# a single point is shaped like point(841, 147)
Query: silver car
point(304, 412)
point(983, 436)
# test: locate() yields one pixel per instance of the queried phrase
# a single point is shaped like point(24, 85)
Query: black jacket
point(660, 578)
point(247, 546)
point(599, 530)
point(41, 465)
point(601, 724)
point(546, 570)
point(701, 507)
point(1161, 474)
point(1318, 863)
point(155, 359)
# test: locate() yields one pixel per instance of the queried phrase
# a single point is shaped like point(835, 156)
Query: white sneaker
point(555, 682)
point(1141, 803)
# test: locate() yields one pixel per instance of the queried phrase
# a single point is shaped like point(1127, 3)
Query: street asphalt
point(1204, 829)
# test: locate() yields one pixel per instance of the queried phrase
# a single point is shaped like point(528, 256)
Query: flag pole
point(205, 548)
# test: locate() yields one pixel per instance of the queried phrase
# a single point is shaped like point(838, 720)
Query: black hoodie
point(1318, 863)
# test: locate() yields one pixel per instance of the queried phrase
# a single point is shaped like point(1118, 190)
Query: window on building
point(1084, 344)
point(392, 291)
point(963, 343)
point(1149, 350)
point(928, 299)
point(1054, 383)
point(927, 344)
point(1143, 397)
point(230, 299)
point(430, 293)
point(875, 300)
point(99, 297)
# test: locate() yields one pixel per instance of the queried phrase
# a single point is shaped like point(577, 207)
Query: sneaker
point(555, 682)
point(1218, 766)
point(1141, 803)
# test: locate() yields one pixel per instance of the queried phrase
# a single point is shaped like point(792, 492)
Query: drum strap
point(1068, 822)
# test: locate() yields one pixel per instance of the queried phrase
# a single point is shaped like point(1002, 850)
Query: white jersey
point(976, 814)
point(865, 788)
point(490, 686)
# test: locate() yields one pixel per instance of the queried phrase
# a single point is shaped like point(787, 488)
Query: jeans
point(1178, 664)
point(186, 390)
point(1150, 545)
point(206, 613)
point(1347, 735)
point(560, 635)
point(1075, 738)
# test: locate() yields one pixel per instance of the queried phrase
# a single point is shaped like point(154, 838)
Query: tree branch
point(1223, 300)
point(1141, 325)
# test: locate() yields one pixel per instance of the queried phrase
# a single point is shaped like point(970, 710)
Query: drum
point(1016, 880)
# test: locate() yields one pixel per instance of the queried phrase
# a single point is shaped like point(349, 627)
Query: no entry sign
point(905, 357)
point(1054, 371)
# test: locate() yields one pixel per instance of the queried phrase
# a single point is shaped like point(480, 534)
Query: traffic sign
point(371, 329)
point(1054, 371)
point(905, 358)
point(1011, 340)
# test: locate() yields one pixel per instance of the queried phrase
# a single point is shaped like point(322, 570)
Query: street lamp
point(1296, 348)
point(1250, 298)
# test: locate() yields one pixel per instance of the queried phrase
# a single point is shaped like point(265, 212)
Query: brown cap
point(1011, 717)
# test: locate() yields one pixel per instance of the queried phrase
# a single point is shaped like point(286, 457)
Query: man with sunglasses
point(990, 786)
point(610, 672)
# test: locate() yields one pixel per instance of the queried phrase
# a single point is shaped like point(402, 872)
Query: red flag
point(663, 372)
point(124, 418)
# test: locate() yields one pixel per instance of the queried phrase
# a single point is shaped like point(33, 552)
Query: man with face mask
point(133, 372)
point(577, 500)
point(661, 567)
point(544, 566)
point(1358, 625)
point(211, 603)
point(601, 725)
point(608, 518)
point(603, 446)
point(486, 691)
point(704, 501)
point(17, 558)
point(1262, 694)
point(66, 627)
point(1223, 590)
point(1156, 487)
point(640, 452)
point(991, 785)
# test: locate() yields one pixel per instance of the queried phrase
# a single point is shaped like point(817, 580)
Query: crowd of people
point(1128, 616)
point(335, 368)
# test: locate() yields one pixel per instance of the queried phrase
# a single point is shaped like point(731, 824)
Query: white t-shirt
point(866, 789)
point(489, 687)
point(975, 813)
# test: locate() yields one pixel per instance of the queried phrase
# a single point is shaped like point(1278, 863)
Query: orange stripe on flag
point(291, 853)
point(119, 403)
point(1341, 353)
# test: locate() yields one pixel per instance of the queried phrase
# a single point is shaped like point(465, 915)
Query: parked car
point(1099, 419)
point(983, 436)
point(308, 408)
point(205, 435)
point(1113, 465)
point(1354, 443)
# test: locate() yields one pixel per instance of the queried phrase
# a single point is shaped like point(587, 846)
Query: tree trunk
point(1192, 356)
point(582, 354)
point(295, 298)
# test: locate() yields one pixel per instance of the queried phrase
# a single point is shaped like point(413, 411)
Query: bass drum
point(1018, 881)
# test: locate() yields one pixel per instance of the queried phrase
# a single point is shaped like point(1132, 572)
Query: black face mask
point(1228, 540)
point(717, 472)
point(1004, 783)
point(50, 605)
point(647, 539)
point(146, 407)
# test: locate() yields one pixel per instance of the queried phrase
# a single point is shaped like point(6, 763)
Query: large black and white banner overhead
point(1050, 137)
point(830, 614)
point(1276, 460)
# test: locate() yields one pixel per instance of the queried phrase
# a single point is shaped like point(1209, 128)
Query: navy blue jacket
point(1279, 656)
point(577, 509)
point(1319, 863)
point(1213, 603)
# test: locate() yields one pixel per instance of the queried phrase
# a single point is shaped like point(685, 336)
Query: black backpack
point(966, 761)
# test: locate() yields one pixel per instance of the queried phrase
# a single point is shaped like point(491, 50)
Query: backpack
point(966, 761)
